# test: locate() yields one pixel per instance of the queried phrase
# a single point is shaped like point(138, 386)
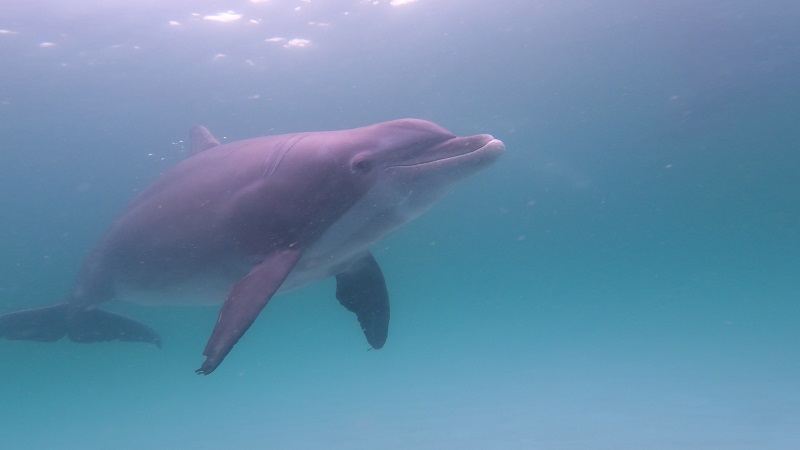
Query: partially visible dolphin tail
point(80, 324)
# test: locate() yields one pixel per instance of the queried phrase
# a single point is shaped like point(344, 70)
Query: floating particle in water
point(227, 16)
point(298, 43)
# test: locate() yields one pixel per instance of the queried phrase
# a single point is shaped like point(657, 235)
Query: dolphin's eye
point(363, 165)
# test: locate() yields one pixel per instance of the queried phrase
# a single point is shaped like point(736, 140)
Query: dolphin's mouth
point(461, 151)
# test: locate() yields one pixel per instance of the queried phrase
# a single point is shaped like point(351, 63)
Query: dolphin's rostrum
point(260, 216)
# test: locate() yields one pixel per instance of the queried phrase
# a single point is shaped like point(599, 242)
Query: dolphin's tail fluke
point(79, 324)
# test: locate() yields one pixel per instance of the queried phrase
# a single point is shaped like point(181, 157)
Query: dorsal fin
point(201, 139)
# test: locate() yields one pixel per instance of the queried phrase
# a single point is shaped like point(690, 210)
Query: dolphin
point(259, 216)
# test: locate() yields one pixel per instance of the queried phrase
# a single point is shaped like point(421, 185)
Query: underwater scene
point(584, 217)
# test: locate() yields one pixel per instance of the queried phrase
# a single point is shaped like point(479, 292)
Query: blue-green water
point(625, 277)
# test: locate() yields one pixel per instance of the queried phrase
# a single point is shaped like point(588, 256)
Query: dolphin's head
point(418, 149)
point(414, 156)
point(379, 176)
point(416, 162)
point(404, 167)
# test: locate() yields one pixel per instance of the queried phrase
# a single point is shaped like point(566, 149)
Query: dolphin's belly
point(347, 240)
point(211, 287)
point(366, 223)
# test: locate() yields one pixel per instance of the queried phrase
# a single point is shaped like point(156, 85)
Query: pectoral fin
point(245, 300)
point(362, 290)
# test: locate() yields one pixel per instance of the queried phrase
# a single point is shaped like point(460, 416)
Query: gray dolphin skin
point(259, 216)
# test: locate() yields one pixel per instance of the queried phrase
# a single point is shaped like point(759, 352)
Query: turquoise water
point(623, 278)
